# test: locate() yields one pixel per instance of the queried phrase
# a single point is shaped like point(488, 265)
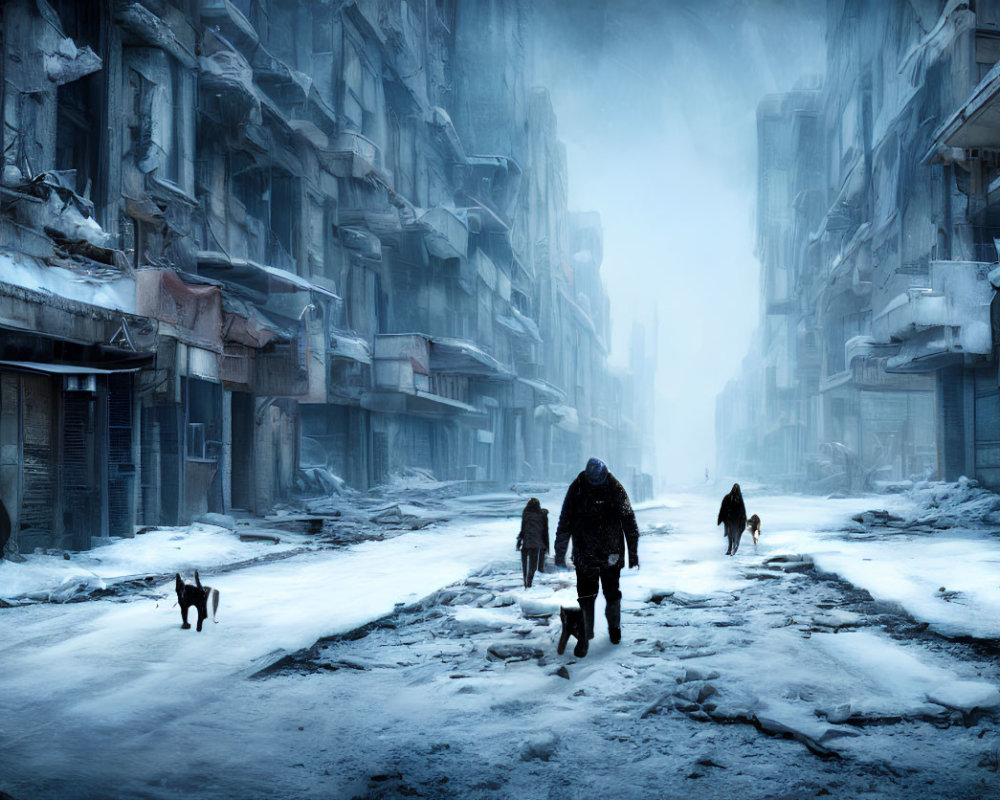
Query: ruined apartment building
point(875, 359)
point(254, 248)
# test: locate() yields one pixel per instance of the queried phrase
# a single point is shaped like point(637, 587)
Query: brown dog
point(753, 525)
point(198, 596)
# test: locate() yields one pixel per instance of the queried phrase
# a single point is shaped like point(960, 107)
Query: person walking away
point(597, 516)
point(533, 540)
point(733, 514)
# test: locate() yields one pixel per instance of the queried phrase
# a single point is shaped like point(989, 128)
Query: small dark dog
point(753, 525)
point(574, 623)
point(198, 596)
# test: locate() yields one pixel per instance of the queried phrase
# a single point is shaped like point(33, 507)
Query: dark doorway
point(243, 437)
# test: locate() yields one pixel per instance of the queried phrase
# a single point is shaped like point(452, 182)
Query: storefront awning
point(62, 369)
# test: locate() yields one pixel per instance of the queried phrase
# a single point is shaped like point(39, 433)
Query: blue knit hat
point(596, 472)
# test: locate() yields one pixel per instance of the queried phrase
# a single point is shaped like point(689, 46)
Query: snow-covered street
point(842, 657)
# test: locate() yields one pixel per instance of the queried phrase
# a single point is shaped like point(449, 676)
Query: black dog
point(198, 596)
point(574, 623)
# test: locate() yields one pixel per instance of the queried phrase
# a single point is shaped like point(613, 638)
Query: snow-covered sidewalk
point(57, 578)
point(264, 612)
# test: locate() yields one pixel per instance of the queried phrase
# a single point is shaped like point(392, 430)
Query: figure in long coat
point(733, 514)
point(533, 540)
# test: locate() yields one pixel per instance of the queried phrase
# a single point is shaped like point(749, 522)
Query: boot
point(587, 604)
point(587, 625)
point(613, 612)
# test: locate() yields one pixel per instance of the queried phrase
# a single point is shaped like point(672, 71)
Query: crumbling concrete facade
point(875, 359)
point(255, 248)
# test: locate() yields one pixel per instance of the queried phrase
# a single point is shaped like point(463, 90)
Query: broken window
point(401, 149)
point(271, 206)
point(76, 131)
point(248, 192)
point(79, 102)
point(284, 207)
point(353, 82)
point(520, 301)
point(157, 133)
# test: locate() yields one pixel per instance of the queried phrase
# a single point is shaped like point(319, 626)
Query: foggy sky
point(656, 102)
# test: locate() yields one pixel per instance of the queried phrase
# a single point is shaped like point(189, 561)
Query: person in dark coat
point(733, 514)
point(533, 540)
point(598, 517)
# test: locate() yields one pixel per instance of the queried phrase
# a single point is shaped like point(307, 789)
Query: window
point(353, 84)
point(77, 124)
point(79, 103)
point(196, 440)
point(284, 215)
point(271, 199)
point(160, 112)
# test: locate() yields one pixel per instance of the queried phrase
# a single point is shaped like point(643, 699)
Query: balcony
point(350, 369)
point(403, 383)
point(864, 347)
point(558, 416)
point(915, 310)
point(350, 347)
point(446, 234)
point(462, 357)
point(352, 155)
point(974, 126)
point(227, 90)
point(518, 324)
point(362, 242)
point(940, 324)
point(230, 22)
point(491, 184)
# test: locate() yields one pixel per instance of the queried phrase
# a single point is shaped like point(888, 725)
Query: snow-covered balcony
point(362, 242)
point(864, 347)
point(224, 16)
point(293, 93)
point(461, 357)
point(518, 324)
point(225, 81)
point(403, 382)
point(446, 232)
point(279, 291)
point(350, 368)
point(383, 225)
point(914, 310)
point(975, 125)
point(938, 325)
point(559, 416)
point(536, 392)
point(349, 346)
point(490, 185)
point(352, 155)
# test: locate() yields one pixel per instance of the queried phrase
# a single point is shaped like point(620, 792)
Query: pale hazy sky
point(656, 102)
